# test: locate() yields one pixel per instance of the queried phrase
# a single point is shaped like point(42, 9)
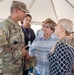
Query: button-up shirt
point(41, 47)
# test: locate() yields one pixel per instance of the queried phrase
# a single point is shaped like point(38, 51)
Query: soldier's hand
point(24, 51)
point(28, 57)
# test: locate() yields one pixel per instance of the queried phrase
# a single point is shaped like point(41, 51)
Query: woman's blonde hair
point(67, 24)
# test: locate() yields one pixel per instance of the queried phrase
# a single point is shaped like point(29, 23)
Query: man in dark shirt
point(29, 36)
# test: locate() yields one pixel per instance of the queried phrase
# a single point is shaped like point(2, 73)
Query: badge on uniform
point(29, 43)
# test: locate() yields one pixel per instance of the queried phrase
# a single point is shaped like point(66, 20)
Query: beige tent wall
point(42, 9)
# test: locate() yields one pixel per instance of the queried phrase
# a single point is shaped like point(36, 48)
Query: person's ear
point(62, 28)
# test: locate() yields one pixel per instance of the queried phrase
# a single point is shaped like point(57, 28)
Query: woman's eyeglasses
point(46, 26)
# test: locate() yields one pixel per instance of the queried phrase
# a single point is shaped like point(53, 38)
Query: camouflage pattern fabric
point(30, 63)
point(12, 74)
point(11, 42)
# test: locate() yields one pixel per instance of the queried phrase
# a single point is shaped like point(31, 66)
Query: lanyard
point(28, 35)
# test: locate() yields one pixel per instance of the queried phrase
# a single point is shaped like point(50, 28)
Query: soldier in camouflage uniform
point(12, 41)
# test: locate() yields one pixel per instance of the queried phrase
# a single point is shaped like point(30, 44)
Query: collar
point(42, 36)
point(12, 21)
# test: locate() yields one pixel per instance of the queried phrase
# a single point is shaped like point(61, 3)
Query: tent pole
point(54, 9)
point(31, 5)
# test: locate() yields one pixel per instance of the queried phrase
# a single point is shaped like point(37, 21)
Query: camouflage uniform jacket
point(11, 42)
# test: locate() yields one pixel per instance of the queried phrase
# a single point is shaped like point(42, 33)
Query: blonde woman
point(62, 54)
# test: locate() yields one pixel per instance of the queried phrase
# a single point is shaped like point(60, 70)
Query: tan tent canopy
point(42, 9)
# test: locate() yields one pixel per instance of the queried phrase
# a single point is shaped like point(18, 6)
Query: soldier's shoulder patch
point(2, 37)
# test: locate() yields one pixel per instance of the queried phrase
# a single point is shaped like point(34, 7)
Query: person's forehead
point(47, 24)
point(27, 18)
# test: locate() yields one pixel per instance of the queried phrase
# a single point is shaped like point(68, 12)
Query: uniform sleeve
point(22, 37)
point(4, 34)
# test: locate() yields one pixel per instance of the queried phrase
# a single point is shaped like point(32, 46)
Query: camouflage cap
point(19, 5)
